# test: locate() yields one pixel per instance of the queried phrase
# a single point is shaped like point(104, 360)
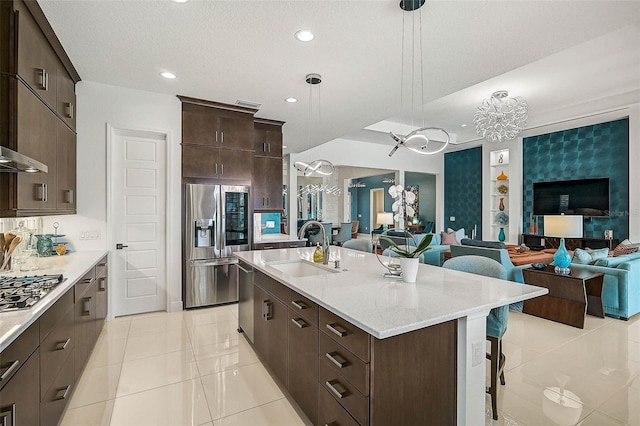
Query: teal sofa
point(621, 291)
point(514, 273)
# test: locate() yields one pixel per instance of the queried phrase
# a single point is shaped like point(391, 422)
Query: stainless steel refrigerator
point(217, 222)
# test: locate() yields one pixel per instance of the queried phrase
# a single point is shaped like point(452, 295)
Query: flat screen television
point(587, 197)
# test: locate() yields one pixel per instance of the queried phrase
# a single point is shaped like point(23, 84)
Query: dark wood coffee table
point(569, 298)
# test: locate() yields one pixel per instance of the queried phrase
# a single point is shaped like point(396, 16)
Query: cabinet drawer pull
point(299, 305)
point(68, 196)
point(87, 305)
point(335, 358)
point(8, 371)
point(266, 310)
point(68, 109)
point(331, 384)
point(87, 281)
point(337, 330)
point(267, 247)
point(63, 345)
point(64, 394)
point(101, 284)
point(299, 322)
point(43, 79)
point(8, 415)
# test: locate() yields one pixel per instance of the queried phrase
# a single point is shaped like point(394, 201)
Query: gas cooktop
point(17, 293)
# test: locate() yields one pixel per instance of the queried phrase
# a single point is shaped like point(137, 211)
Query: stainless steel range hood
point(14, 162)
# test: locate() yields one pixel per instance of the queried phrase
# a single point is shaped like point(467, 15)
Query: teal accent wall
point(270, 217)
point(426, 184)
point(361, 199)
point(594, 151)
point(463, 190)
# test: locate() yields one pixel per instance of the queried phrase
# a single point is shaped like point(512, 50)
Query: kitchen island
point(379, 350)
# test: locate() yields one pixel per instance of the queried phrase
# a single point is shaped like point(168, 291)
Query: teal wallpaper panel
point(463, 190)
point(361, 199)
point(598, 150)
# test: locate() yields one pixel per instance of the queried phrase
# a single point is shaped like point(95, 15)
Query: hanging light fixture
point(316, 167)
point(500, 118)
point(424, 140)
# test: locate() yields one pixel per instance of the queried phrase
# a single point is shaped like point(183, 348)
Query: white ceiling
point(584, 55)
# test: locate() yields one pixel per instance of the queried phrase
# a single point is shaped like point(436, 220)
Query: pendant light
point(316, 167)
point(424, 140)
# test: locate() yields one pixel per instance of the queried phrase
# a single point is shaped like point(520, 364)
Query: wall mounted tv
point(587, 197)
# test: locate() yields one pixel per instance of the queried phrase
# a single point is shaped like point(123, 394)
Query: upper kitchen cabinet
point(268, 138)
point(217, 141)
point(37, 113)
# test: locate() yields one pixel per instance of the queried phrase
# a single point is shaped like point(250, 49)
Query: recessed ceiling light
point(284, 147)
point(304, 35)
point(463, 125)
point(180, 1)
point(291, 100)
point(168, 75)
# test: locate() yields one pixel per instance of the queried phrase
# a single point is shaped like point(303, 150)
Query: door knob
point(120, 246)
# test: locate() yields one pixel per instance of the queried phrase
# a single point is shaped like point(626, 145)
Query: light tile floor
point(192, 368)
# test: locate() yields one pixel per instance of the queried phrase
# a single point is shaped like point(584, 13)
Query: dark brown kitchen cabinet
point(85, 317)
point(267, 184)
point(270, 331)
point(66, 169)
point(214, 163)
point(66, 97)
point(215, 124)
point(102, 294)
point(58, 394)
point(268, 138)
point(19, 397)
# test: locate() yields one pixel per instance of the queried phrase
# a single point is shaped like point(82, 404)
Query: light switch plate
point(478, 355)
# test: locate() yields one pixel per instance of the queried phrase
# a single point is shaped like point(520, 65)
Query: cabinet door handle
point(216, 136)
point(221, 136)
point(101, 284)
point(269, 146)
point(65, 392)
point(331, 384)
point(216, 166)
point(299, 322)
point(221, 168)
point(264, 147)
point(8, 416)
point(337, 330)
point(8, 371)
point(268, 198)
point(43, 79)
point(68, 196)
point(335, 358)
point(245, 270)
point(267, 247)
point(86, 304)
point(299, 305)
point(61, 346)
point(68, 109)
point(40, 192)
point(266, 310)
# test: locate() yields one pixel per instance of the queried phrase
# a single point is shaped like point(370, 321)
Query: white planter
point(409, 266)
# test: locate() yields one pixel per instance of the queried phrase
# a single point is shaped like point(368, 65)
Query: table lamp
point(564, 227)
point(385, 219)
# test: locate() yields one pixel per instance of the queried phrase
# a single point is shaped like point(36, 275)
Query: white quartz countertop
point(386, 307)
point(72, 266)
point(275, 238)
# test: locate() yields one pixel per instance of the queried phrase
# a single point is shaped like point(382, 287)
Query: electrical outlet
point(478, 355)
point(452, 218)
point(89, 235)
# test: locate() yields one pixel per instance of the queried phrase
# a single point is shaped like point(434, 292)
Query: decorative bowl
point(539, 266)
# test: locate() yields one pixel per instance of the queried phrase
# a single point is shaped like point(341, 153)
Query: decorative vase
point(501, 236)
point(44, 245)
point(409, 266)
point(501, 206)
point(562, 259)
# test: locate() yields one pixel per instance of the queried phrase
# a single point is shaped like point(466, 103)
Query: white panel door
point(138, 221)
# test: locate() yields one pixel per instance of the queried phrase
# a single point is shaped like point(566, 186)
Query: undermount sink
point(301, 268)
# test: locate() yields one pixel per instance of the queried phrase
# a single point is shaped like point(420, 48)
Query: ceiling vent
point(248, 104)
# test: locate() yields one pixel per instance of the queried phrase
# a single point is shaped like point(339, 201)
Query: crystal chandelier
point(501, 118)
point(316, 167)
point(425, 140)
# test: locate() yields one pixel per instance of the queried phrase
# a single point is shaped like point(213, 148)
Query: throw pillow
point(459, 234)
point(622, 249)
point(581, 257)
point(448, 238)
point(596, 254)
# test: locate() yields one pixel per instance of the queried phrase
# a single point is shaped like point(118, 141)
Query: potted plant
point(409, 259)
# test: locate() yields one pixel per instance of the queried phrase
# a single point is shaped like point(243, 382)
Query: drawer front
point(54, 314)
point(101, 268)
point(293, 244)
point(303, 307)
point(345, 333)
point(83, 284)
point(59, 393)
point(54, 350)
point(344, 392)
point(17, 352)
point(266, 246)
point(19, 398)
point(330, 412)
point(272, 286)
point(344, 362)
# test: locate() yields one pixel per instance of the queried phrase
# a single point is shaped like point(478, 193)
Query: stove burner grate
point(17, 293)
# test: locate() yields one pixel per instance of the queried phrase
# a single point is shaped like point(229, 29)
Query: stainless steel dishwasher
point(245, 300)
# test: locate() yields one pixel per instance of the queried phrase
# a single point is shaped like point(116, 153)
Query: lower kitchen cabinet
point(245, 299)
point(19, 398)
point(102, 294)
point(303, 352)
point(85, 326)
point(57, 346)
point(279, 245)
point(58, 394)
point(270, 331)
